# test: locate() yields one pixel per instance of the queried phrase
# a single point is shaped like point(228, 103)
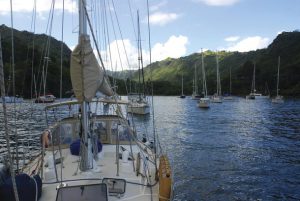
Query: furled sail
point(86, 75)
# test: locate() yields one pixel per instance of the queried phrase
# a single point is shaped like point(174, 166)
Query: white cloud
point(232, 38)
point(174, 47)
point(116, 48)
point(158, 6)
point(248, 44)
point(161, 19)
point(219, 2)
point(41, 6)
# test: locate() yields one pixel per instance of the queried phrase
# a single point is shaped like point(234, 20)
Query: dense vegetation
point(30, 58)
point(166, 74)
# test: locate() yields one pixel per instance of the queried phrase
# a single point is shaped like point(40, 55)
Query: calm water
point(237, 150)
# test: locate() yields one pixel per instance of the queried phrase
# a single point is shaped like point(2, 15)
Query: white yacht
point(278, 98)
point(217, 97)
point(195, 95)
point(204, 101)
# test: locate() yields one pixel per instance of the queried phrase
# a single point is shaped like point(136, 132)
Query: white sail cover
point(86, 75)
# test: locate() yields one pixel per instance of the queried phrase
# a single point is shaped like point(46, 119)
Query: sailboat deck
point(106, 168)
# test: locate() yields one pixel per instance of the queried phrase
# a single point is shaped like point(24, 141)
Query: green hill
point(23, 54)
point(167, 73)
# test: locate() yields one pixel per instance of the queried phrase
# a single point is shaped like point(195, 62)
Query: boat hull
point(216, 99)
point(250, 97)
point(12, 99)
point(203, 103)
point(45, 99)
point(138, 109)
point(228, 98)
point(278, 99)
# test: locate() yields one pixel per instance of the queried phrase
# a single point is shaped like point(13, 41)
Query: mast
point(204, 88)
point(254, 79)
point(218, 77)
point(182, 83)
point(230, 80)
point(86, 155)
point(140, 56)
point(278, 75)
point(196, 84)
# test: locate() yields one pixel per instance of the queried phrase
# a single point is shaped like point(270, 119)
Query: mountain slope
point(23, 54)
point(286, 45)
point(166, 74)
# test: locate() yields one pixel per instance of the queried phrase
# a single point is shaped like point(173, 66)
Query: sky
point(178, 27)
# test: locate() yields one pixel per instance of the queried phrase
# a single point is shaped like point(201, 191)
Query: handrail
point(76, 102)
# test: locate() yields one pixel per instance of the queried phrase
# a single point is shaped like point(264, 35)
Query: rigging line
point(98, 11)
point(14, 86)
point(97, 21)
point(94, 19)
point(132, 21)
point(47, 64)
point(106, 33)
point(117, 43)
point(98, 52)
point(33, 45)
point(2, 85)
point(151, 77)
point(109, 48)
point(42, 60)
point(94, 38)
point(32, 26)
point(114, 9)
point(61, 83)
point(101, 61)
point(141, 56)
point(100, 15)
point(139, 63)
point(48, 48)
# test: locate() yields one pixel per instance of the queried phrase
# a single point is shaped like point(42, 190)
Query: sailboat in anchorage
point(278, 98)
point(252, 93)
point(217, 97)
point(91, 156)
point(204, 101)
point(138, 103)
point(195, 95)
point(182, 94)
point(267, 91)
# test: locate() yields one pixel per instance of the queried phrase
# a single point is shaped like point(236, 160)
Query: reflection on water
point(237, 150)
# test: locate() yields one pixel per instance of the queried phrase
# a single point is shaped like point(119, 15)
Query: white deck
point(108, 169)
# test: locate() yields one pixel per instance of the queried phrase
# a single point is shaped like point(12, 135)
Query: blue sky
point(178, 27)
